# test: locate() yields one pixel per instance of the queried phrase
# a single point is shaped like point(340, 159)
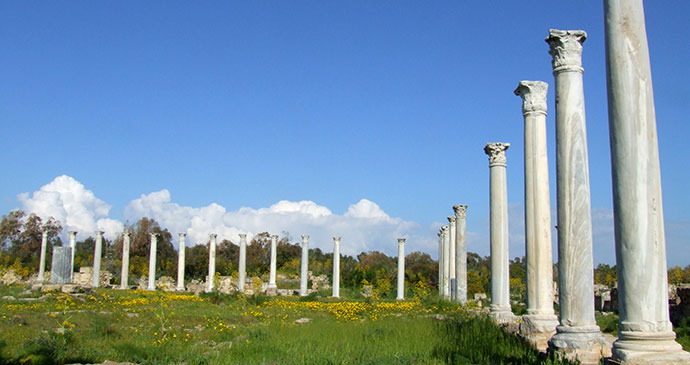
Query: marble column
point(42, 259)
point(124, 274)
point(578, 334)
point(304, 272)
point(446, 262)
point(451, 255)
point(645, 333)
point(440, 262)
point(498, 200)
point(274, 255)
point(336, 267)
point(97, 253)
point(401, 269)
point(540, 322)
point(460, 254)
point(242, 269)
point(73, 245)
point(211, 262)
point(181, 261)
point(152, 262)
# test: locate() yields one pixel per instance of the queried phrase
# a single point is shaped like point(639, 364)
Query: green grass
point(153, 328)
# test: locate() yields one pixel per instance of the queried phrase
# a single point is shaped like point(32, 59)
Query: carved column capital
point(274, 237)
point(126, 234)
point(305, 239)
point(566, 49)
point(99, 233)
point(451, 220)
point(497, 153)
point(182, 235)
point(533, 94)
point(213, 236)
point(401, 241)
point(336, 240)
point(444, 230)
point(460, 210)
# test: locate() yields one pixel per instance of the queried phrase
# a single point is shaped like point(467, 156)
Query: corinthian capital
point(451, 220)
point(533, 94)
point(496, 152)
point(305, 239)
point(566, 49)
point(460, 211)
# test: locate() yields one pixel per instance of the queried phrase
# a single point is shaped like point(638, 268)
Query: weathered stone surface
point(166, 283)
point(85, 277)
point(401, 269)
point(61, 266)
point(460, 253)
point(8, 298)
point(304, 267)
point(9, 277)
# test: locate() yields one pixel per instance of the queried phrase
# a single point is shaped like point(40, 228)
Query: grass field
point(159, 327)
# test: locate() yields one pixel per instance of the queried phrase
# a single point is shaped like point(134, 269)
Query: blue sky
point(231, 108)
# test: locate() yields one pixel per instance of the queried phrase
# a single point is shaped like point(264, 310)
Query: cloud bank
point(364, 226)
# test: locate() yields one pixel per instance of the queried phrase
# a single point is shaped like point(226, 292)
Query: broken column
point(498, 201)
point(61, 267)
point(42, 259)
point(73, 245)
point(304, 272)
point(97, 253)
point(181, 261)
point(645, 332)
point(451, 255)
point(401, 269)
point(242, 269)
point(578, 334)
point(152, 262)
point(272, 287)
point(460, 254)
point(211, 262)
point(540, 322)
point(336, 267)
point(124, 275)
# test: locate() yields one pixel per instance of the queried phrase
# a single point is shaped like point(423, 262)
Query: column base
point(538, 329)
point(634, 347)
point(584, 343)
point(501, 313)
point(180, 289)
point(151, 289)
point(272, 290)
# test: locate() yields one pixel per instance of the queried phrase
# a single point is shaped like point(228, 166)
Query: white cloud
point(77, 208)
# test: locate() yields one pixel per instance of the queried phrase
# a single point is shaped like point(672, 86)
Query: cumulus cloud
point(363, 227)
point(76, 207)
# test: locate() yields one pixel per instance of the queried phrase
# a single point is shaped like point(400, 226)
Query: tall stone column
point(181, 260)
point(401, 269)
point(242, 269)
point(336, 267)
point(460, 253)
point(73, 244)
point(97, 253)
point(124, 273)
point(211, 262)
point(645, 333)
point(498, 197)
point(152, 262)
point(446, 262)
point(451, 255)
point(304, 272)
point(578, 334)
point(441, 271)
point(540, 322)
point(42, 260)
point(274, 255)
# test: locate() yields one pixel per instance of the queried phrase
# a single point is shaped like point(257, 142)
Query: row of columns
point(645, 332)
point(452, 257)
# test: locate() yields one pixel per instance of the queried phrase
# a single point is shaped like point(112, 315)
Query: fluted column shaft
point(124, 273)
point(577, 327)
point(181, 260)
point(460, 253)
point(498, 198)
point(451, 253)
point(242, 269)
point(73, 244)
point(401, 269)
point(274, 256)
point(336, 267)
point(211, 262)
point(304, 270)
point(440, 262)
point(42, 259)
point(645, 332)
point(97, 253)
point(152, 262)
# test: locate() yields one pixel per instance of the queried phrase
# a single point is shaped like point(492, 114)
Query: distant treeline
point(20, 242)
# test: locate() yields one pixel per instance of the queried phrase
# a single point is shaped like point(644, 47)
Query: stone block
point(61, 267)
